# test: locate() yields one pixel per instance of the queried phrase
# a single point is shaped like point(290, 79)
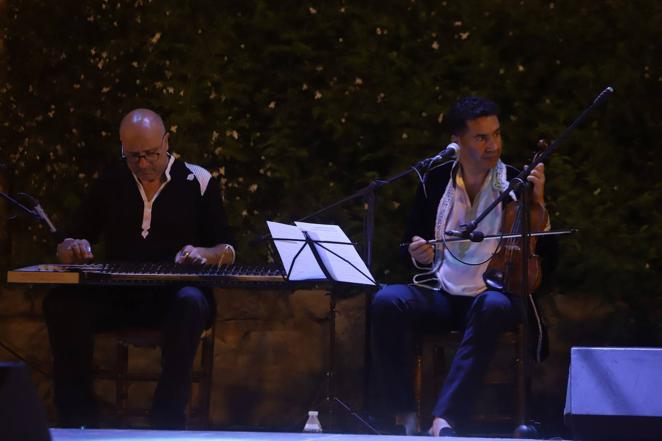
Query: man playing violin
point(450, 292)
point(150, 207)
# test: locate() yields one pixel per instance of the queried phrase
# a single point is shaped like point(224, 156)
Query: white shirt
point(455, 275)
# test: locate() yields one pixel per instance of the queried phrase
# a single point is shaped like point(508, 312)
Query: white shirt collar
point(147, 204)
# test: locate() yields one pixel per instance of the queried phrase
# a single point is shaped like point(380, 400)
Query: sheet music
point(305, 266)
point(339, 269)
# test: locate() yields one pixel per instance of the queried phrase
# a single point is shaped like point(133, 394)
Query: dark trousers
point(400, 311)
point(74, 314)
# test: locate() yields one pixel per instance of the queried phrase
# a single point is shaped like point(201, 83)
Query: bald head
point(144, 144)
point(143, 121)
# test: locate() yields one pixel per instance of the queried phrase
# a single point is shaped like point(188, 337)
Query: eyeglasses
point(150, 155)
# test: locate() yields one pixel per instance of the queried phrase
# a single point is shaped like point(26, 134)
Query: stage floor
point(153, 435)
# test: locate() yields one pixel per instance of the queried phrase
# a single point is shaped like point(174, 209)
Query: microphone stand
point(520, 185)
point(37, 215)
point(520, 179)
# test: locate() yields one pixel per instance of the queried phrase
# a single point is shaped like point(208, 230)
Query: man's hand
point(191, 255)
point(220, 254)
point(421, 251)
point(74, 251)
point(537, 178)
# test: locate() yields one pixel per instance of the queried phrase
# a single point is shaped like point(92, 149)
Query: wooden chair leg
point(418, 389)
point(522, 380)
point(121, 382)
point(206, 374)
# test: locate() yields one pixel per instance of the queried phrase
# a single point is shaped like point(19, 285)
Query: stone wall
point(270, 354)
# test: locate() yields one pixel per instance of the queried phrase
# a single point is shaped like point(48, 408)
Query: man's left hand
point(221, 254)
point(190, 255)
point(537, 178)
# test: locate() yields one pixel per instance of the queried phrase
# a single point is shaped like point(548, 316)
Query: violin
point(504, 272)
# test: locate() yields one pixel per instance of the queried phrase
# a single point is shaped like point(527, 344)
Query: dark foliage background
point(297, 104)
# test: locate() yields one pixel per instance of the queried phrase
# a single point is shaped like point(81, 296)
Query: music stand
point(328, 261)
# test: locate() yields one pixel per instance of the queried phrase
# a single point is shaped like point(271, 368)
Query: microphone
point(474, 236)
point(451, 151)
point(38, 213)
point(44, 217)
point(603, 95)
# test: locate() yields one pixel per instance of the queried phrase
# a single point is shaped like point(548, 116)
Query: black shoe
point(393, 429)
point(384, 424)
point(160, 420)
point(447, 431)
point(82, 418)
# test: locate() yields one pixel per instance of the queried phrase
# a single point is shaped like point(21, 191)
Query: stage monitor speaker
point(22, 417)
point(615, 394)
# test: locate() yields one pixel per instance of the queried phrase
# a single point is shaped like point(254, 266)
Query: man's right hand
point(74, 251)
point(421, 251)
